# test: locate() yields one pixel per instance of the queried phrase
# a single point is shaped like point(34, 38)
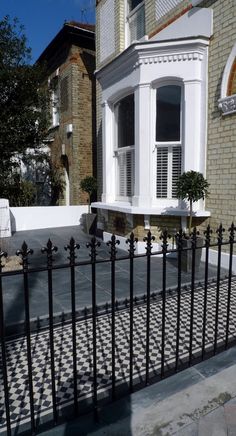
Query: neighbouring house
point(166, 103)
point(70, 64)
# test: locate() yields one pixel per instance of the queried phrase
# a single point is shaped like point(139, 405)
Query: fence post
point(72, 247)
point(93, 254)
point(193, 249)
point(179, 243)
point(220, 232)
point(49, 250)
point(164, 238)
point(112, 243)
point(231, 247)
point(148, 239)
point(207, 234)
point(131, 241)
point(24, 253)
point(3, 350)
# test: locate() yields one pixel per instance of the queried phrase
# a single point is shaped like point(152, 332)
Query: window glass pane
point(168, 113)
point(125, 121)
point(134, 3)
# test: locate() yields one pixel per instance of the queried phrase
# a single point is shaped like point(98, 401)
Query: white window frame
point(130, 15)
point(54, 100)
point(169, 145)
point(118, 152)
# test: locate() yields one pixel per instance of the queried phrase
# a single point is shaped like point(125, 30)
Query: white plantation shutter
point(176, 168)
point(126, 173)
point(162, 172)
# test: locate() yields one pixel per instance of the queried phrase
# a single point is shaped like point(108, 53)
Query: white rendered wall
point(5, 223)
point(31, 218)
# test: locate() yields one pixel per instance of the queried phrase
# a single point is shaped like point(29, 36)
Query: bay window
point(168, 140)
point(124, 149)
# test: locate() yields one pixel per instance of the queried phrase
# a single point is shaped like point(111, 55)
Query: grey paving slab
point(38, 284)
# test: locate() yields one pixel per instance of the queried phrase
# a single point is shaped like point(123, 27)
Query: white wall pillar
point(5, 222)
point(142, 190)
point(192, 136)
point(108, 172)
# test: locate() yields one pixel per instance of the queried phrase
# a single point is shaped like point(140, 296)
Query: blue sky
point(43, 19)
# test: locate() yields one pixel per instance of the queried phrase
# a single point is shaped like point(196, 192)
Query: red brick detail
point(170, 21)
point(232, 80)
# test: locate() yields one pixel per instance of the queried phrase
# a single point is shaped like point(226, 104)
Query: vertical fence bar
point(3, 351)
point(207, 234)
point(179, 241)
point(113, 253)
point(148, 239)
point(231, 245)
point(131, 241)
point(93, 254)
point(193, 250)
point(72, 247)
point(164, 238)
point(24, 252)
point(49, 249)
point(219, 231)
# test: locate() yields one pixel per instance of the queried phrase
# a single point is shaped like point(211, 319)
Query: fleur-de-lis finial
point(24, 253)
point(132, 241)
point(93, 245)
point(112, 244)
point(148, 239)
point(49, 250)
point(72, 246)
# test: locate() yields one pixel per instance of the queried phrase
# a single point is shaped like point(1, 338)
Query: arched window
point(168, 140)
point(124, 149)
point(227, 102)
point(232, 80)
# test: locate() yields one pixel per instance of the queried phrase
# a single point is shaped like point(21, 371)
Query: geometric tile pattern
point(17, 352)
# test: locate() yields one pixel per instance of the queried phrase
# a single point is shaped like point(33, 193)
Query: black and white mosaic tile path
point(17, 353)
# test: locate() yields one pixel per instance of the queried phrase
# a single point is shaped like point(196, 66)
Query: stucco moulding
point(227, 105)
point(181, 57)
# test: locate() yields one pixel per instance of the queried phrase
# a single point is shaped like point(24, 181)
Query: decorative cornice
point(227, 104)
point(177, 57)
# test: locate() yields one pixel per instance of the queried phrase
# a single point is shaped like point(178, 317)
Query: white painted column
point(192, 137)
point(109, 168)
point(194, 126)
point(142, 190)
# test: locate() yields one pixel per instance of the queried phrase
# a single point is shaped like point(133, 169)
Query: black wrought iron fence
point(120, 346)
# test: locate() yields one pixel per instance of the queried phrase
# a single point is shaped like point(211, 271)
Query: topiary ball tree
point(192, 186)
point(89, 185)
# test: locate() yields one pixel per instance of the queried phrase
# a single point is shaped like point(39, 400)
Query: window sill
point(133, 210)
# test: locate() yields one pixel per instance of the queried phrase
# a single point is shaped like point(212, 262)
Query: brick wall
point(221, 157)
point(77, 107)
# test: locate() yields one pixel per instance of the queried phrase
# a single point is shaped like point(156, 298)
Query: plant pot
point(90, 223)
point(186, 255)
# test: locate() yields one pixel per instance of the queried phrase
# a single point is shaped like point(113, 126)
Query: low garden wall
point(42, 217)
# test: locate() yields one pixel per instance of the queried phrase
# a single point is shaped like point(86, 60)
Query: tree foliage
point(89, 185)
point(192, 186)
point(23, 100)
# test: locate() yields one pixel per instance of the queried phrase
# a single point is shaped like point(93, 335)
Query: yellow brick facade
point(221, 136)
